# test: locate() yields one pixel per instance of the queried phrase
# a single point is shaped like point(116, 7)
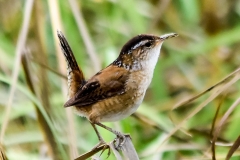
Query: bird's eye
point(148, 44)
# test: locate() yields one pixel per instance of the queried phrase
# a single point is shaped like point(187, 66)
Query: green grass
point(206, 51)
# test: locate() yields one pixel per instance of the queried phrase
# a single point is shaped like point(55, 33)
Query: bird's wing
point(106, 83)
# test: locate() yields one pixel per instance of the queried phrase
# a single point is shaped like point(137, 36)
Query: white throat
point(151, 62)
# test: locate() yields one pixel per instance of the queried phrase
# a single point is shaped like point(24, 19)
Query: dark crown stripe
point(134, 41)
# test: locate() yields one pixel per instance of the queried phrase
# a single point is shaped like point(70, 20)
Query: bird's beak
point(167, 36)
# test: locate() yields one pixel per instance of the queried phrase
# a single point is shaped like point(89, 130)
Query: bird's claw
point(106, 146)
point(100, 143)
point(120, 140)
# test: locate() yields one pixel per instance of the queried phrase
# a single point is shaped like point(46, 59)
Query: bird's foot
point(105, 146)
point(120, 140)
point(100, 143)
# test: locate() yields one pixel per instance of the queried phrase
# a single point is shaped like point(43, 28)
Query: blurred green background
point(33, 87)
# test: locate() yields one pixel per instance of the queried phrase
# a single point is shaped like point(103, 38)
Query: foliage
point(206, 51)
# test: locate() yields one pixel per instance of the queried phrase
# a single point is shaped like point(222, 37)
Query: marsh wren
point(117, 91)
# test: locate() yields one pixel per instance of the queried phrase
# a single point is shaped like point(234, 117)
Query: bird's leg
point(117, 133)
point(101, 141)
point(98, 134)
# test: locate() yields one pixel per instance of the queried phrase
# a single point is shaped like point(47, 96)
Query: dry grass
point(33, 121)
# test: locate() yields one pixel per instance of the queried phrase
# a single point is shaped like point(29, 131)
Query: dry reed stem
point(49, 138)
point(189, 100)
point(222, 121)
point(216, 90)
point(2, 153)
point(234, 147)
point(56, 25)
point(20, 45)
point(85, 35)
point(212, 128)
point(63, 76)
point(127, 149)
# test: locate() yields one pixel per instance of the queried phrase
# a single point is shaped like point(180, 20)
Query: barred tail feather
point(74, 73)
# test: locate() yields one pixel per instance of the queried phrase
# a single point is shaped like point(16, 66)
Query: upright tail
point(74, 73)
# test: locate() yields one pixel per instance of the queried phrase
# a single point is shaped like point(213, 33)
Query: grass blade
point(19, 49)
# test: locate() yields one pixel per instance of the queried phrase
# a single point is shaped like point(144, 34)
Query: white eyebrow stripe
point(140, 44)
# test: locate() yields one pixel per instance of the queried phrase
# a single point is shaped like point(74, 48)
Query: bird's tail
point(74, 73)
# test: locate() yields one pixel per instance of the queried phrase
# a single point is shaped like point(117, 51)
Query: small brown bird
point(117, 91)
